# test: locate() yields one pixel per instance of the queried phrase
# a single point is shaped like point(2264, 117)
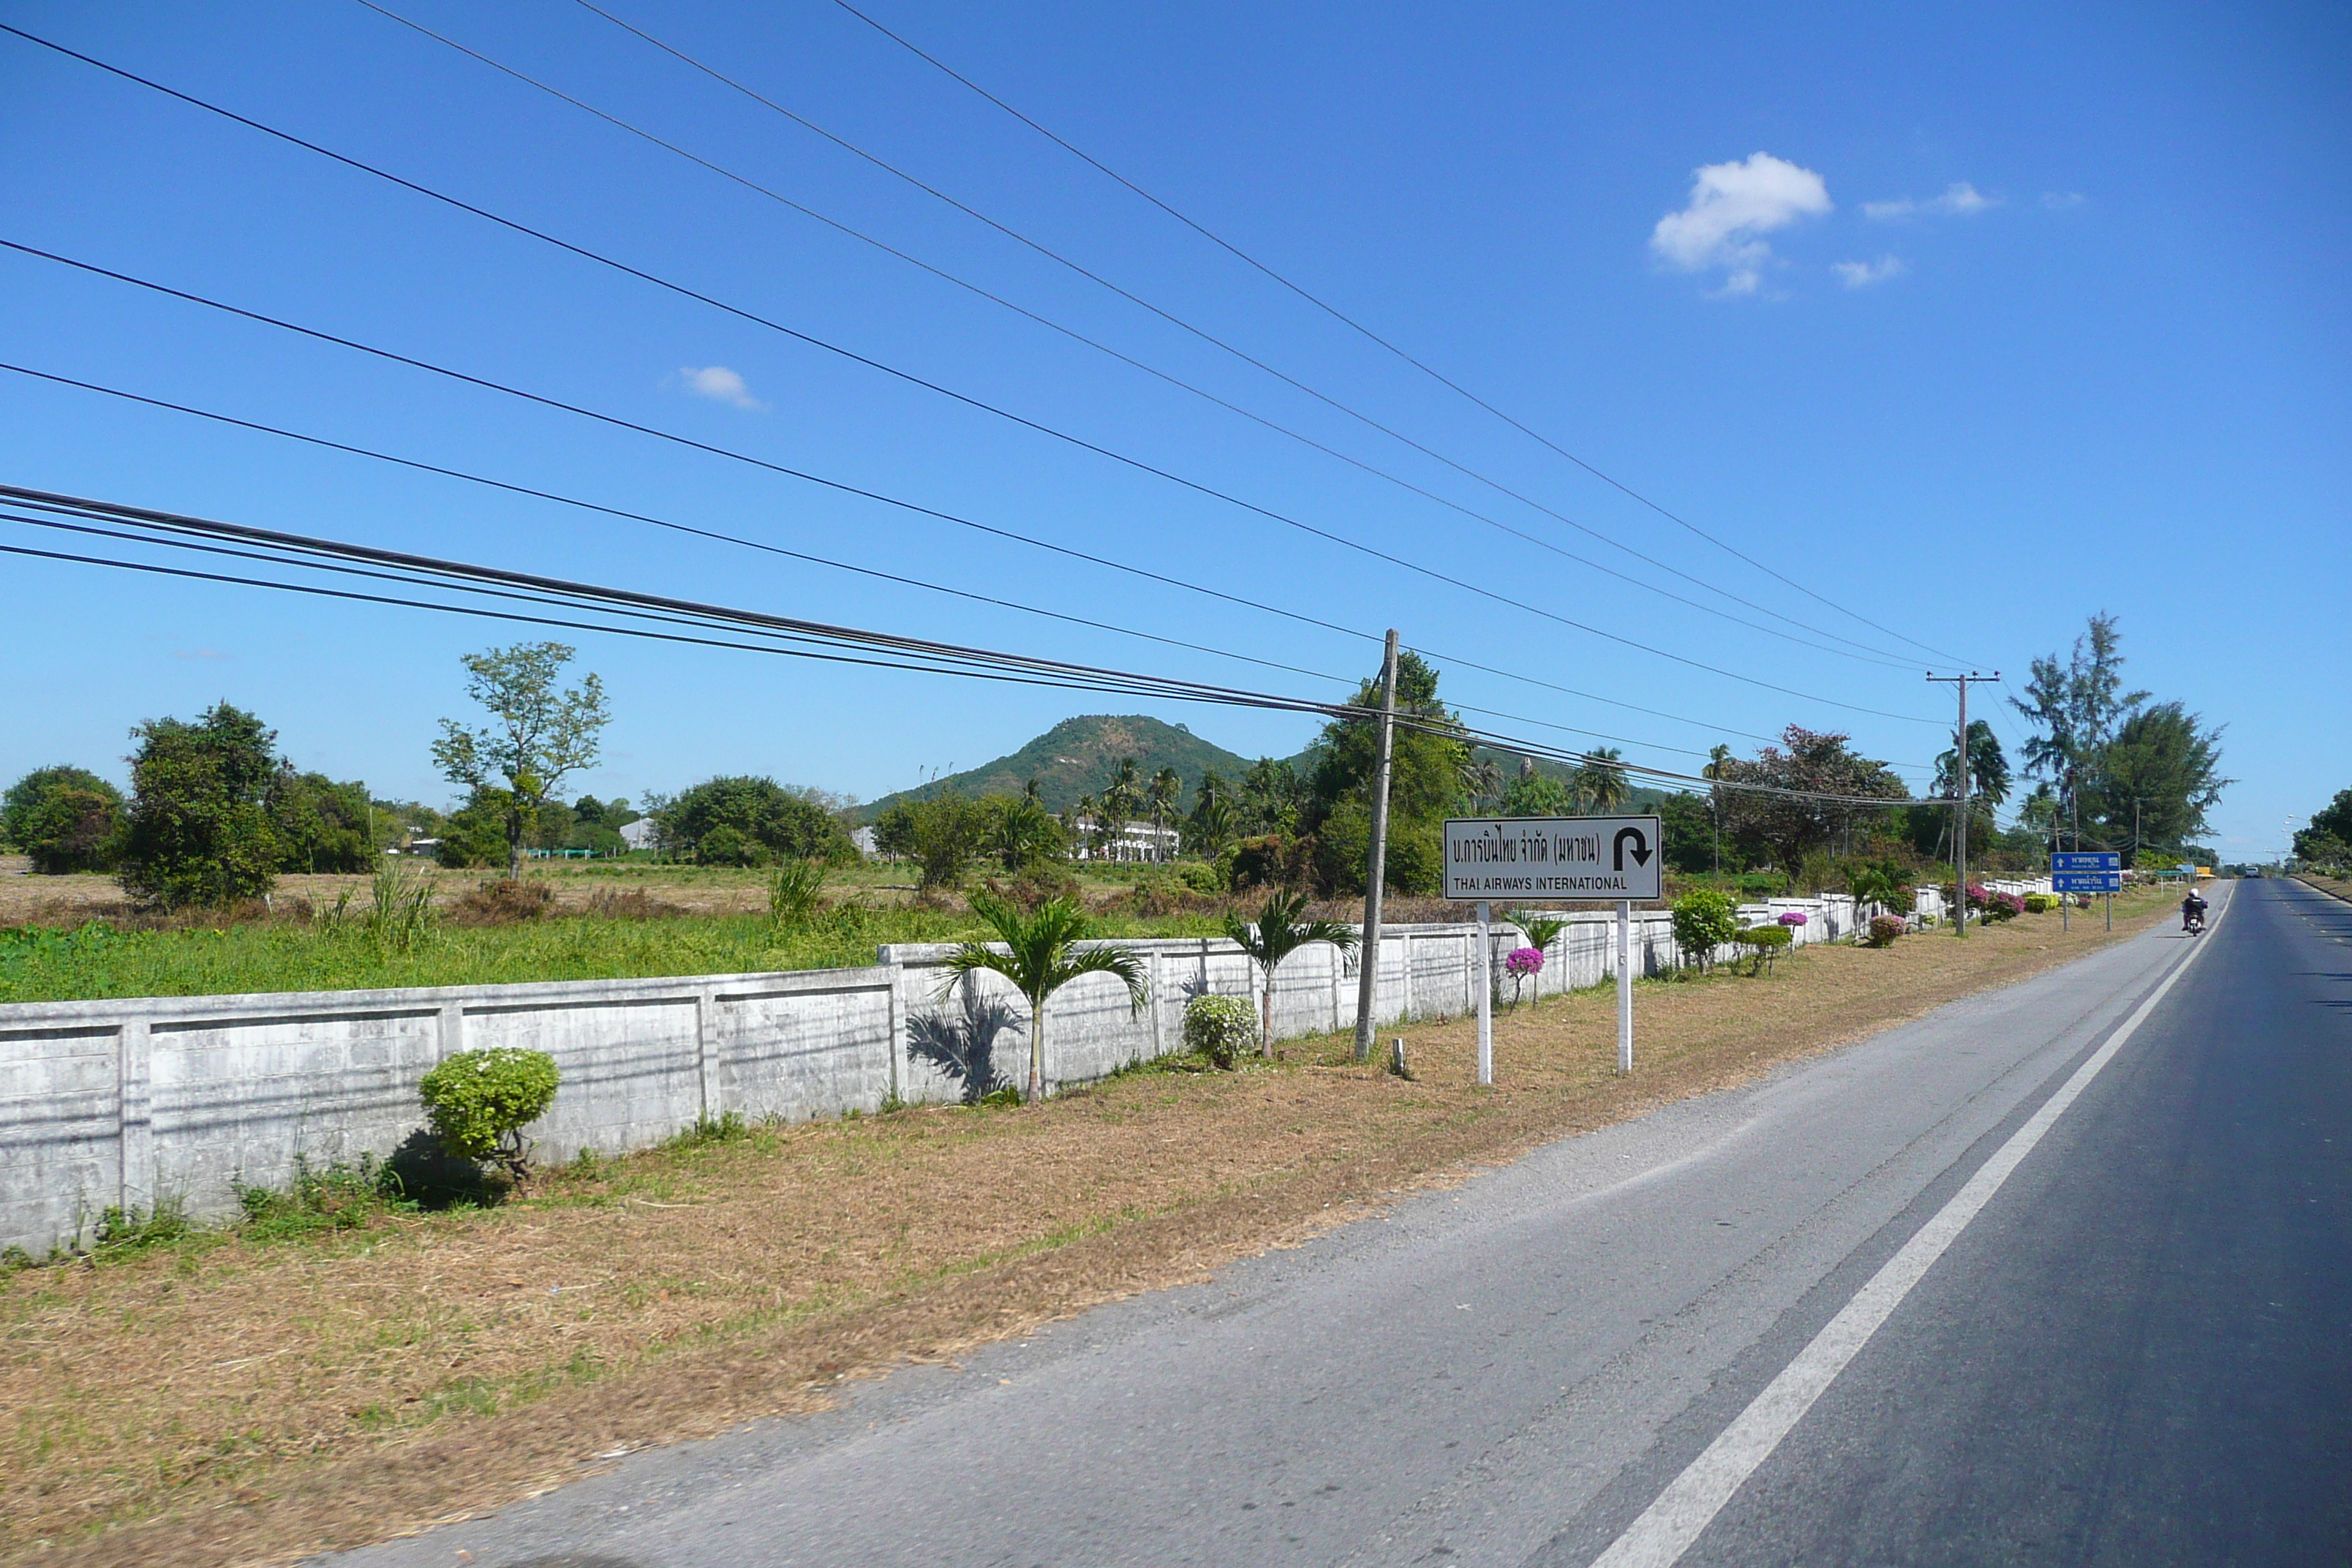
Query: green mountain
point(1077, 756)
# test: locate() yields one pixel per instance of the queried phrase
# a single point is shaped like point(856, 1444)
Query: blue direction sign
point(2087, 871)
point(2088, 860)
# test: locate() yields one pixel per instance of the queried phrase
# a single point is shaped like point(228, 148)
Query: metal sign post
point(1485, 999)
point(1624, 986)
point(2086, 871)
point(1579, 859)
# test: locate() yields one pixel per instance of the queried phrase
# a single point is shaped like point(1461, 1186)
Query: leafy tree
point(1689, 823)
point(1042, 955)
point(475, 835)
point(321, 825)
point(2076, 708)
point(1792, 826)
point(1531, 794)
point(2334, 818)
point(1272, 798)
point(943, 834)
point(64, 819)
point(537, 734)
point(198, 831)
point(745, 820)
point(1427, 762)
point(1279, 931)
point(2155, 779)
point(2326, 840)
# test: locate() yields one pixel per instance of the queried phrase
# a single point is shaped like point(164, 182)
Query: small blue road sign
point(2088, 860)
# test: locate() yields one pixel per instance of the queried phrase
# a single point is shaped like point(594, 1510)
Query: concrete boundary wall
point(123, 1103)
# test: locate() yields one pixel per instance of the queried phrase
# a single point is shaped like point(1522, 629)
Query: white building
point(1139, 841)
point(641, 833)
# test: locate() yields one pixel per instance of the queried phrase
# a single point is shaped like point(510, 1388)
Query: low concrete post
point(133, 1048)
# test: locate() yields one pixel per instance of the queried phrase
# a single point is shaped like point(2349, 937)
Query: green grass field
point(97, 961)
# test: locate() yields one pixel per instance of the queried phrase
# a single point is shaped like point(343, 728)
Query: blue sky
point(1972, 323)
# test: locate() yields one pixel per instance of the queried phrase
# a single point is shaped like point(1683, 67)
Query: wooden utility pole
point(1368, 961)
point(1960, 806)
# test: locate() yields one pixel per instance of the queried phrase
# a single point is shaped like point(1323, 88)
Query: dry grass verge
point(226, 1400)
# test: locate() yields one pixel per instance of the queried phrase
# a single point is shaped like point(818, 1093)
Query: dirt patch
point(226, 1401)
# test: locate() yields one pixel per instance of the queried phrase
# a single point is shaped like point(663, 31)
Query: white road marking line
point(1690, 1502)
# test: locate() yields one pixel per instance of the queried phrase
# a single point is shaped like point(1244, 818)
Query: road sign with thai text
point(1499, 859)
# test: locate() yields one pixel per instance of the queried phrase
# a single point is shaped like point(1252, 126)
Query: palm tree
point(1601, 780)
point(1715, 759)
point(1166, 793)
point(1119, 798)
point(1082, 823)
point(1215, 820)
point(1274, 935)
point(1041, 956)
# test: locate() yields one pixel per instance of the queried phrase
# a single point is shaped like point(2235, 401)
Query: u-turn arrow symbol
point(1641, 847)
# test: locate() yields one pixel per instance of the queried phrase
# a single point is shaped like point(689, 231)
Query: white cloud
point(720, 384)
point(1731, 204)
point(1960, 199)
point(2059, 201)
point(1863, 274)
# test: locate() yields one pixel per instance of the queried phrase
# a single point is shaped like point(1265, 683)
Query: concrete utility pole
point(1960, 807)
point(1368, 963)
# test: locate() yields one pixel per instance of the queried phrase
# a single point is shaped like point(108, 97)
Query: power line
point(980, 404)
point(1339, 316)
point(392, 356)
point(1866, 653)
point(748, 544)
point(792, 636)
point(1137, 300)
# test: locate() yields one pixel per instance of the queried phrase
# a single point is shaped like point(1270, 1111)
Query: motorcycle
point(2193, 924)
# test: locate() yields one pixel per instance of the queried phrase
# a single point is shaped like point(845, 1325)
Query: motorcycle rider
point(2192, 912)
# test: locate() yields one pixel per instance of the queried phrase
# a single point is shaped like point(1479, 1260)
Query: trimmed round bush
point(1766, 937)
point(1792, 918)
point(2040, 904)
point(1885, 929)
point(1220, 1027)
point(480, 1102)
point(1704, 921)
point(1525, 960)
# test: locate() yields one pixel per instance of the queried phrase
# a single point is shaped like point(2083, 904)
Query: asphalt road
point(2136, 1347)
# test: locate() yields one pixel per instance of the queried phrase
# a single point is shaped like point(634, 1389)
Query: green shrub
point(1205, 877)
point(480, 1102)
point(1220, 1027)
point(1764, 944)
point(750, 821)
point(1759, 885)
point(63, 819)
point(1704, 921)
point(198, 832)
point(2040, 904)
point(1885, 929)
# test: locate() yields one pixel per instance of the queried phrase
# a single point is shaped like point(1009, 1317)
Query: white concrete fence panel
point(129, 1102)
